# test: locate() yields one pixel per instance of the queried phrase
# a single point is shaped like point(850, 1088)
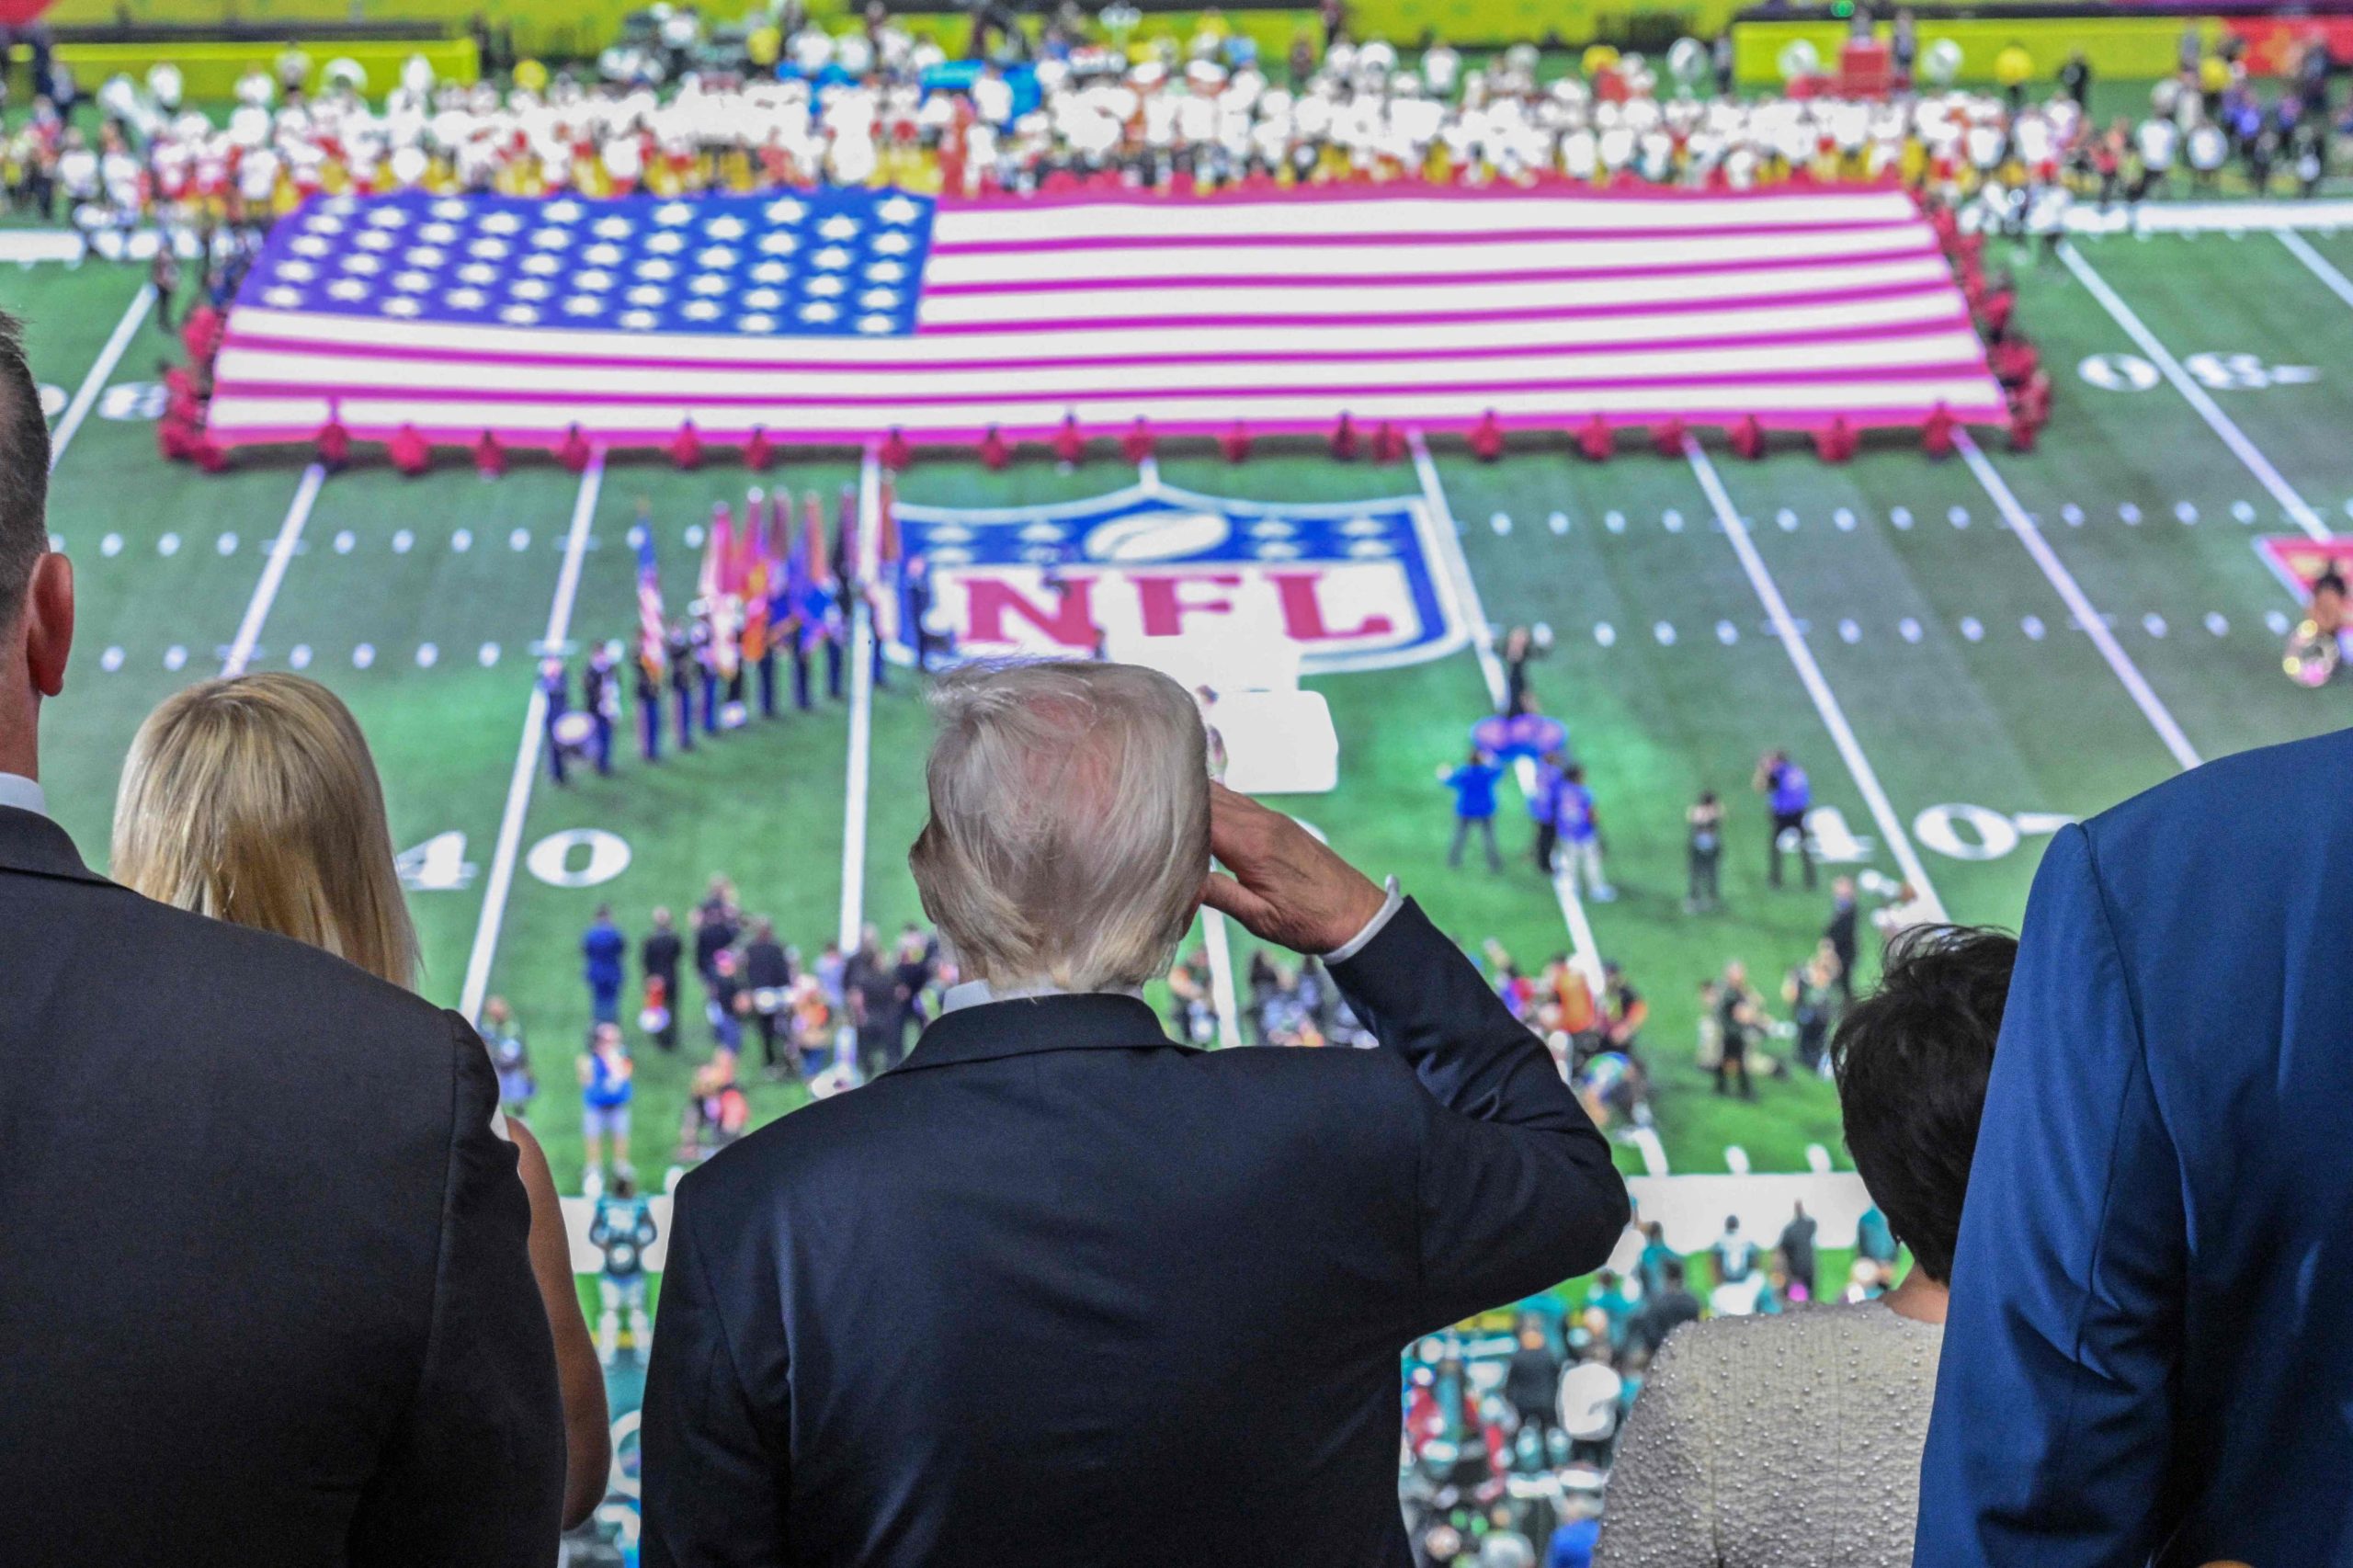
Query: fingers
point(1229, 897)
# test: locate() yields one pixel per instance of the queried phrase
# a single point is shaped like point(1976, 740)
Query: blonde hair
point(253, 800)
point(1069, 822)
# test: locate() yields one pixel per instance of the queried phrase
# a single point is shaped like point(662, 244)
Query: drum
point(575, 731)
point(2313, 654)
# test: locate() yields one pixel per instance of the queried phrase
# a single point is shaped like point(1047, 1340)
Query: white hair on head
point(1069, 822)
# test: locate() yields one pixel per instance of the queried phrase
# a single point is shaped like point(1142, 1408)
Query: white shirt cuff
point(1372, 927)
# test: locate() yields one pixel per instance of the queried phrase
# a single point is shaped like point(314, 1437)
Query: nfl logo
point(1328, 588)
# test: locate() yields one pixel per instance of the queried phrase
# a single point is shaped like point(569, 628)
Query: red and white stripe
point(1280, 312)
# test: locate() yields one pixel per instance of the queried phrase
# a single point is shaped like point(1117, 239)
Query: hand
point(1286, 886)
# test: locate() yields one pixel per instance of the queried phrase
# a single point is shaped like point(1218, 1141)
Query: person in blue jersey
point(607, 1086)
point(1578, 827)
point(1789, 795)
point(602, 950)
point(1474, 783)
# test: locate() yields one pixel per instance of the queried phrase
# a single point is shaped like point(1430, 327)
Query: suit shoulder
point(2299, 786)
point(256, 981)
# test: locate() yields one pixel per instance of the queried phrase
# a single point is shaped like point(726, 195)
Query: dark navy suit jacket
point(2151, 1344)
point(266, 1296)
point(1060, 1291)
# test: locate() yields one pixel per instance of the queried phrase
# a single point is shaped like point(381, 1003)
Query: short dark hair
point(24, 472)
point(1911, 1061)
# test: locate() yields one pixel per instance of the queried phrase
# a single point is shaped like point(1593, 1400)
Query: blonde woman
point(253, 800)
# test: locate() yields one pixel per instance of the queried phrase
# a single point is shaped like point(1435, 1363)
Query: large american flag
point(835, 316)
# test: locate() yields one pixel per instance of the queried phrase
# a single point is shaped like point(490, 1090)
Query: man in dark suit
point(265, 1292)
point(1843, 934)
point(2149, 1352)
point(1060, 1290)
point(658, 957)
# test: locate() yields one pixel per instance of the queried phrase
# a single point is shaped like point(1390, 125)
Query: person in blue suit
point(602, 947)
point(2149, 1354)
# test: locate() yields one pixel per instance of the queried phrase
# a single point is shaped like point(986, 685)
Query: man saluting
point(1057, 1288)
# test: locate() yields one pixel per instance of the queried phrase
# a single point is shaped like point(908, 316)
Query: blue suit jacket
point(1058, 1290)
point(2151, 1345)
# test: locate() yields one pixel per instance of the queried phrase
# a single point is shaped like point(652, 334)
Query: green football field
point(1908, 629)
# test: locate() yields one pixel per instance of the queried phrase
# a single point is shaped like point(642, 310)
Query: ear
point(48, 623)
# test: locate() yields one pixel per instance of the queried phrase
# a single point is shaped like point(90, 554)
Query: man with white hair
point(1060, 1290)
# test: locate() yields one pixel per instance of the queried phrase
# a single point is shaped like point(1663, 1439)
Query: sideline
point(526, 754)
point(1826, 701)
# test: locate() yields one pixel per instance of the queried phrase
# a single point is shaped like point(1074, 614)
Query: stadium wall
point(211, 70)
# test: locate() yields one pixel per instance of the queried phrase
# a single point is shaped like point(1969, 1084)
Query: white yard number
point(2118, 372)
point(1972, 833)
point(2246, 372)
point(552, 857)
point(1833, 842)
point(437, 865)
point(133, 400)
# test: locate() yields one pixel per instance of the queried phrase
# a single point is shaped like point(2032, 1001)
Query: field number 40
point(576, 857)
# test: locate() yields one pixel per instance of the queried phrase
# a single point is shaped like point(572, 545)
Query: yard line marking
point(2320, 265)
point(1445, 541)
point(2207, 409)
point(1826, 701)
point(273, 571)
point(526, 754)
point(861, 703)
point(1221, 993)
point(134, 317)
point(2078, 602)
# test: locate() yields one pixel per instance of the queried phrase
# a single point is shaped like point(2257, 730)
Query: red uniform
point(334, 443)
point(1748, 438)
point(1070, 446)
point(1343, 439)
point(896, 454)
point(1936, 435)
point(409, 452)
point(1139, 443)
point(573, 451)
point(1388, 446)
point(685, 447)
point(1236, 443)
point(1668, 437)
point(758, 451)
point(490, 458)
point(1595, 440)
point(1487, 437)
point(996, 452)
point(1836, 442)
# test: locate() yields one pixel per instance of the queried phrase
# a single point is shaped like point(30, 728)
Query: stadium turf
point(1943, 644)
